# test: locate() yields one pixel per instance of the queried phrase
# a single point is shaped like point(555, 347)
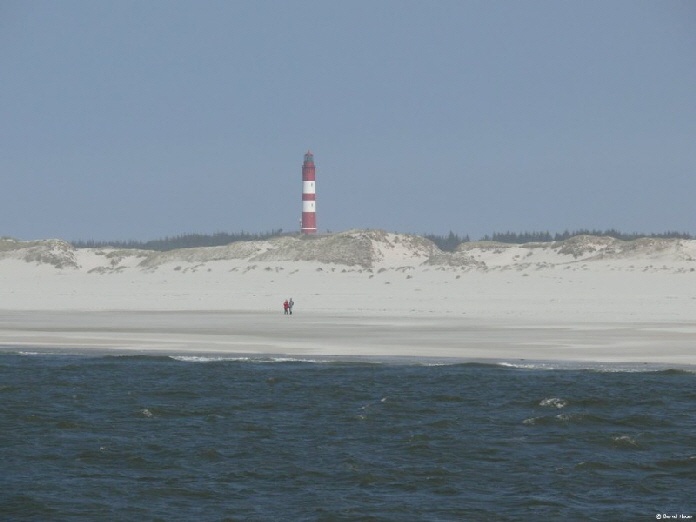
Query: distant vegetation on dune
point(450, 242)
point(534, 237)
point(181, 241)
point(446, 243)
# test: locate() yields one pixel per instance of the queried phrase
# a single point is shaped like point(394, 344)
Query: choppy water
point(208, 439)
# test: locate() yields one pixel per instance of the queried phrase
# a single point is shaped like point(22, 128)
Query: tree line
point(447, 243)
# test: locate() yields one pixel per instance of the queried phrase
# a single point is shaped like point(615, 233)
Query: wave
point(625, 441)
point(29, 353)
point(686, 461)
point(675, 371)
point(644, 368)
point(553, 402)
point(135, 357)
point(249, 359)
point(654, 368)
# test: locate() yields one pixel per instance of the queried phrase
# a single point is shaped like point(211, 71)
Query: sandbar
point(349, 337)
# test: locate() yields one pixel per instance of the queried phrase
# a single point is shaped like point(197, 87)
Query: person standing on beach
point(291, 303)
point(286, 307)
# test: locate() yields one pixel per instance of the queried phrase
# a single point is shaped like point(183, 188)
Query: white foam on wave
point(295, 359)
point(206, 358)
point(210, 358)
point(625, 441)
point(532, 365)
point(531, 421)
point(598, 367)
point(553, 402)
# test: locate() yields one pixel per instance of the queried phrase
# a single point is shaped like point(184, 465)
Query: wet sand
point(350, 336)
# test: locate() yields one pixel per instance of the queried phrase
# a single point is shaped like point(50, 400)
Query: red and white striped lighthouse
point(309, 196)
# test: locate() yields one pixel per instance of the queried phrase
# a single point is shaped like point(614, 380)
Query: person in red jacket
point(286, 306)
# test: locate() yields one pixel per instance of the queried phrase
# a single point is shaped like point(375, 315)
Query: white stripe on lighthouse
point(308, 187)
point(308, 206)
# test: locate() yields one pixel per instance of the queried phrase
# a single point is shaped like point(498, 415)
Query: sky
point(139, 120)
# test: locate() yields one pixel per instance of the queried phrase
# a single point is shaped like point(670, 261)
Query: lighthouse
point(309, 196)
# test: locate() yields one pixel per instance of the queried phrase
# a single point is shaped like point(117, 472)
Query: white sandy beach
point(360, 294)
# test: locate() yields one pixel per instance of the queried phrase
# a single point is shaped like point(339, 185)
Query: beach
point(388, 296)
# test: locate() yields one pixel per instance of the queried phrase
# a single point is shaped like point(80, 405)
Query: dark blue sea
point(168, 438)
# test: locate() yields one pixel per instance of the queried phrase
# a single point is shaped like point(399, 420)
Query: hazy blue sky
point(141, 119)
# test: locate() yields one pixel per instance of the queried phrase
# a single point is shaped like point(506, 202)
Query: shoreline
point(270, 358)
point(351, 337)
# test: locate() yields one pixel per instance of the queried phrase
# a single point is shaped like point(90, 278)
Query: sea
point(118, 437)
